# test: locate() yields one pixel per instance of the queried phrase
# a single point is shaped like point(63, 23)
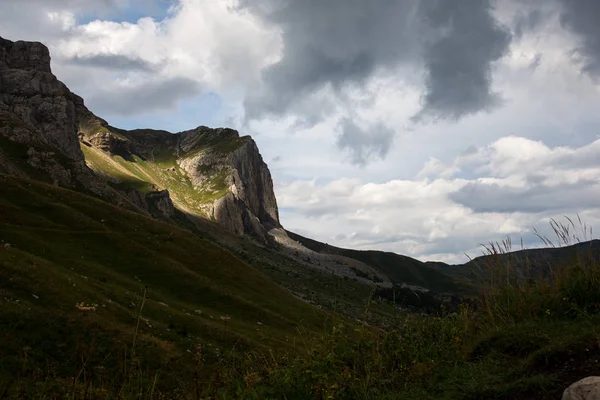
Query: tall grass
point(516, 288)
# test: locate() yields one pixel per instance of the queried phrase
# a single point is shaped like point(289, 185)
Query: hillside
point(526, 263)
point(400, 269)
point(150, 264)
point(61, 248)
point(188, 178)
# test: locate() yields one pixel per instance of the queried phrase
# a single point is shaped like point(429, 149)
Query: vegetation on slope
point(79, 278)
point(399, 268)
point(144, 176)
point(520, 339)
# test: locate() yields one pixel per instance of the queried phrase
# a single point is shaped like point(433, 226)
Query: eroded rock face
point(39, 124)
point(249, 205)
point(232, 183)
point(160, 204)
point(35, 107)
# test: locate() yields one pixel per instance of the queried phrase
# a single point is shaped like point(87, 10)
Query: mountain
point(189, 178)
point(151, 264)
point(398, 268)
point(526, 263)
point(210, 172)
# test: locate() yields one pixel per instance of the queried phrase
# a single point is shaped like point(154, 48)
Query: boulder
point(585, 389)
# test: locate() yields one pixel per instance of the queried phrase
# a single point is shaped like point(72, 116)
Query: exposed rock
point(42, 117)
point(160, 204)
point(46, 161)
point(249, 206)
point(232, 183)
point(585, 389)
point(35, 107)
point(24, 55)
point(108, 142)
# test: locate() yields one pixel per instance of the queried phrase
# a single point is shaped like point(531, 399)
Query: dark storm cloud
point(459, 62)
point(482, 197)
point(329, 44)
point(152, 96)
point(581, 17)
point(344, 42)
point(362, 144)
point(113, 62)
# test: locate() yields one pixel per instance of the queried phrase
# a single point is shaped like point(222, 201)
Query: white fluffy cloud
point(521, 184)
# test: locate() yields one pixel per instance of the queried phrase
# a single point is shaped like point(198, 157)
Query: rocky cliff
point(39, 123)
point(214, 173)
point(47, 132)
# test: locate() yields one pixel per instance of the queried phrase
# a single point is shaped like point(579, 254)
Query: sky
point(422, 127)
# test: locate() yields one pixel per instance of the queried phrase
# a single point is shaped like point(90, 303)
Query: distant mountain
point(398, 268)
point(523, 263)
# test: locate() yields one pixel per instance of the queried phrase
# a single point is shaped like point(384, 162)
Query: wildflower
point(547, 312)
point(225, 318)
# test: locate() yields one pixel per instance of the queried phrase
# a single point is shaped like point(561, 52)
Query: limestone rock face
point(210, 172)
point(249, 205)
point(111, 144)
point(160, 204)
point(40, 120)
point(35, 107)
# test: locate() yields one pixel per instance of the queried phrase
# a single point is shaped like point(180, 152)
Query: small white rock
point(585, 389)
point(35, 297)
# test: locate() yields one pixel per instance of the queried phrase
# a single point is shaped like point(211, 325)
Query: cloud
point(492, 197)
point(340, 43)
point(459, 61)
point(364, 144)
point(526, 21)
point(143, 98)
point(581, 17)
point(113, 62)
point(518, 183)
point(198, 44)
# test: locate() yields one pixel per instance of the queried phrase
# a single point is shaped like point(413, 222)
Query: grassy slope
point(400, 269)
point(163, 173)
point(66, 248)
point(329, 291)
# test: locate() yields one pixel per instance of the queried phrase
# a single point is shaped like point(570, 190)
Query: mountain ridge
point(41, 113)
point(192, 178)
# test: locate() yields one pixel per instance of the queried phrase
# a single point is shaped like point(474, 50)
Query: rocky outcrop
point(40, 119)
point(35, 107)
point(109, 143)
point(231, 183)
point(160, 204)
point(248, 205)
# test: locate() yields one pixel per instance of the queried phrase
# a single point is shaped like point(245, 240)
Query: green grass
point(162, 173)
point(59, 248)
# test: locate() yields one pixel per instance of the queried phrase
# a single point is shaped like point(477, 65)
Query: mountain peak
point(28, 56)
